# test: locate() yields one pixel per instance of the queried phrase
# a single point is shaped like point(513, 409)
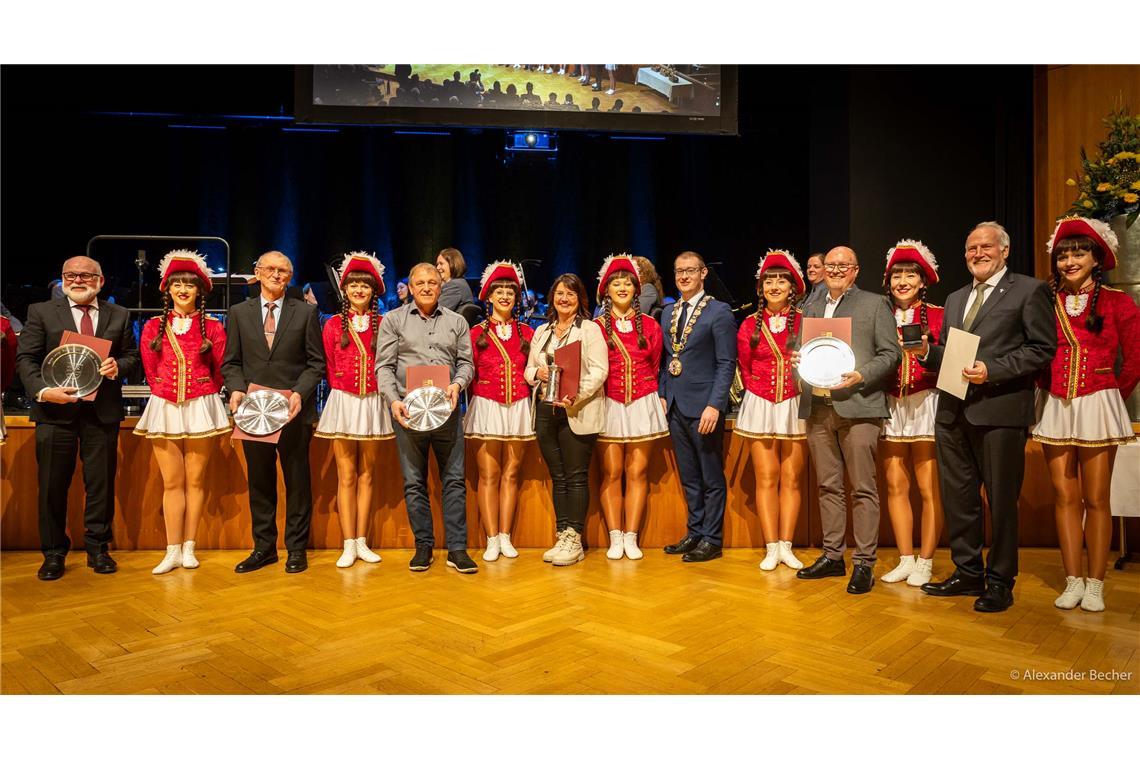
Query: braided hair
point(1094, 322)
point(481, 342)
point(607, 311)
point(346, 307)
point(168, 305)
point(784, 274)
point(207, 344)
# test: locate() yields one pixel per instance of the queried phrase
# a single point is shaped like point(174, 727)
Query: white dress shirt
point(276, 312)
point(77, 315)
point(992, 282)
point(696, 299)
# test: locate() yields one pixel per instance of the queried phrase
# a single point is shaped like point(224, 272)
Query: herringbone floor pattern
point(521, 626)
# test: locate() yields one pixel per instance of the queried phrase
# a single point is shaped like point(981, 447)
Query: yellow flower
point(1087, 204)
point(1103, 186)
point(1135, 185)
point(1071, 182)
point(1124, 154)
point(1131, 197)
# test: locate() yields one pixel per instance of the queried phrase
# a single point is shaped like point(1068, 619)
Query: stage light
point(531, 139)
point(542, 142)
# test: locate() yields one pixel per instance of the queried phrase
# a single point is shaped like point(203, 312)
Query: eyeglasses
point(838, 268)
point(276, 271)
point(688, 271)
point(81, 276)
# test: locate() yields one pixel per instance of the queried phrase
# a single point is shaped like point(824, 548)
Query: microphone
point(140, 258)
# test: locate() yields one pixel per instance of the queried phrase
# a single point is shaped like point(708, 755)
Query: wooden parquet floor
point(521, 627)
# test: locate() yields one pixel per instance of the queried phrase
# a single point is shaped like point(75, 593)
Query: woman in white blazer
point(568, 428)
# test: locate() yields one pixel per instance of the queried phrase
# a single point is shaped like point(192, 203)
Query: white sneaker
point(788, 557)
point(571, 551)
point(172, 560)
point(772, 558)
point(348, 556)
point(189, 561)
point(549, 70)
point(922, 573)
point(562, 72)
point(617, 547)
point(610, 92)
point(492, 552)
point(902, 570)
point(582, 79)
point(629, 543)
point(548, 555)
point(506, 547)
point(364, 553)
point(1071, 596)
point(1093, 600)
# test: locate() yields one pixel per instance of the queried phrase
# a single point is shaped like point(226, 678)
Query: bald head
point(82, 279)
point(840, 268)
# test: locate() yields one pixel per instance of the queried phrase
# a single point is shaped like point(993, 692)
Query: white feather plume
point(490, 268)
point(786, 254)
point(609, 259)
point(182, 253)
point(918, 245)
point(364, 254)
point(1101, 228)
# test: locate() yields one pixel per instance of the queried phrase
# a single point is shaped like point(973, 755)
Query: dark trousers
point(97, 444)
point(995, 457)
point(567, 456)
point(700, 462)
point(261, 462)
point(447, 443)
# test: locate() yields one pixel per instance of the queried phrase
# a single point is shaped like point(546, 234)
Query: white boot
point(902, 570)
point(506, 547)
point(548, 555)
point(364, 553)
point(1071, 596)
point(492, 552)
point(772, 558)
point(189, 561)
point(172, 559)
point(349, 555)
point(571, 551)
point(788, 557)
point(1093, 600)
point(617, 545)
point(629, 543)
point(922, 573)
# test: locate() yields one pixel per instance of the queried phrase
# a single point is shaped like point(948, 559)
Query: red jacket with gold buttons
point(177, 372)
point(351, 369)
point(1084, 360)
point(633, 370)
point(764, 372)
point(911, 377)
point(499, 367)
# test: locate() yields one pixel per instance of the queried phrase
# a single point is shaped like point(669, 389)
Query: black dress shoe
point(296, 562)
point(704, 551)
point(685, 545)
point(462, 562)
point(956, 585)
point(861, 580)
point(422, 561)
point(102, 563)
point(823, 567)
point(257, 559)
point(52, 568)
point(997, 597)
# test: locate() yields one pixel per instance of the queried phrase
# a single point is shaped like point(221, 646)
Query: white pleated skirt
point(912, 417)
point(640, 420)
point(355, 418)
point(199, 417)
point(1098, 419)
point(491, 421)
point(760, 418)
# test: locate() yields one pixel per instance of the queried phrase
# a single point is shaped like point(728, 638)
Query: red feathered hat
point(499, 270)
point(183, 260)
point(914, 252)
point(1101, 234)
point(614, 263)
point(359, 261)
point(785, 260)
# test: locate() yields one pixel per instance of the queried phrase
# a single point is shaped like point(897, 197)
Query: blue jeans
point(447, 443)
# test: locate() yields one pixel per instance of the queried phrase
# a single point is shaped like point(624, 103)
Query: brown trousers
point(837, 444)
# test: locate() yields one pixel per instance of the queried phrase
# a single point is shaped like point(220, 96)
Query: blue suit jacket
point(707, 363)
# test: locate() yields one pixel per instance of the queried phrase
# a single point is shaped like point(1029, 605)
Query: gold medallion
point(674, 366)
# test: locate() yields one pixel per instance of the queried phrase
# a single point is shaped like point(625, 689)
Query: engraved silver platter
point(823, 361)
point(73, 366)
point(428, 408)
point(262, 413)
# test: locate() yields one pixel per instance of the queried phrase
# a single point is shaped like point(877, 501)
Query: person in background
point(817, 287)
point(651, 288)
point(455, 291)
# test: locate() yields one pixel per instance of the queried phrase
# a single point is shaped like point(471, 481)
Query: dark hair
point(168, 303)
point(786, 274)
point(909, 266)
point(608, 305)
point(819, 256)
point(573, 282)
point(481, 342)
point(1094, 322)
point(455, 262)
point(346, 308)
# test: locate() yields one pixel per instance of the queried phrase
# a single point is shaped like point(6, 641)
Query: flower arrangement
point(1109, 184)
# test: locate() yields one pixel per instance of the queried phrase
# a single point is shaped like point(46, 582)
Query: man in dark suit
point(982, 439)
point(275, 341)
point(844, 422)
point(697, 366)
point(65, 424)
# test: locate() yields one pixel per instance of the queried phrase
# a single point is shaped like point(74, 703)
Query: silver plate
point(823, 361)
point(428, 408)
point(73, 366)
point(262, 413)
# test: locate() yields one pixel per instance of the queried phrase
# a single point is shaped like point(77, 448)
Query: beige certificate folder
point(960, 353)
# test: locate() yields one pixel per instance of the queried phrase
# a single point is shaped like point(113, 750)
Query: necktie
point(979, 297)
point(684, 317)
point(270, 323)
point(86, 326)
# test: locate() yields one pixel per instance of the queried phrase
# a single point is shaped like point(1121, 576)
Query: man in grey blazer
point(843, 423)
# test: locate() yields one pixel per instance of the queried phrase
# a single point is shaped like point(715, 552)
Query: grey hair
point(273, 253)
point(1003, 236)
point(422, 265)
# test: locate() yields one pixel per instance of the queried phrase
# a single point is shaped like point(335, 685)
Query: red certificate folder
point(241, 435)
point(101, 346)
point(836, 327)
point(568, 358)
point(438, 375)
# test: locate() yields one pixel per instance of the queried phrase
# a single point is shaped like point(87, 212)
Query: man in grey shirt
point(423, 333)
